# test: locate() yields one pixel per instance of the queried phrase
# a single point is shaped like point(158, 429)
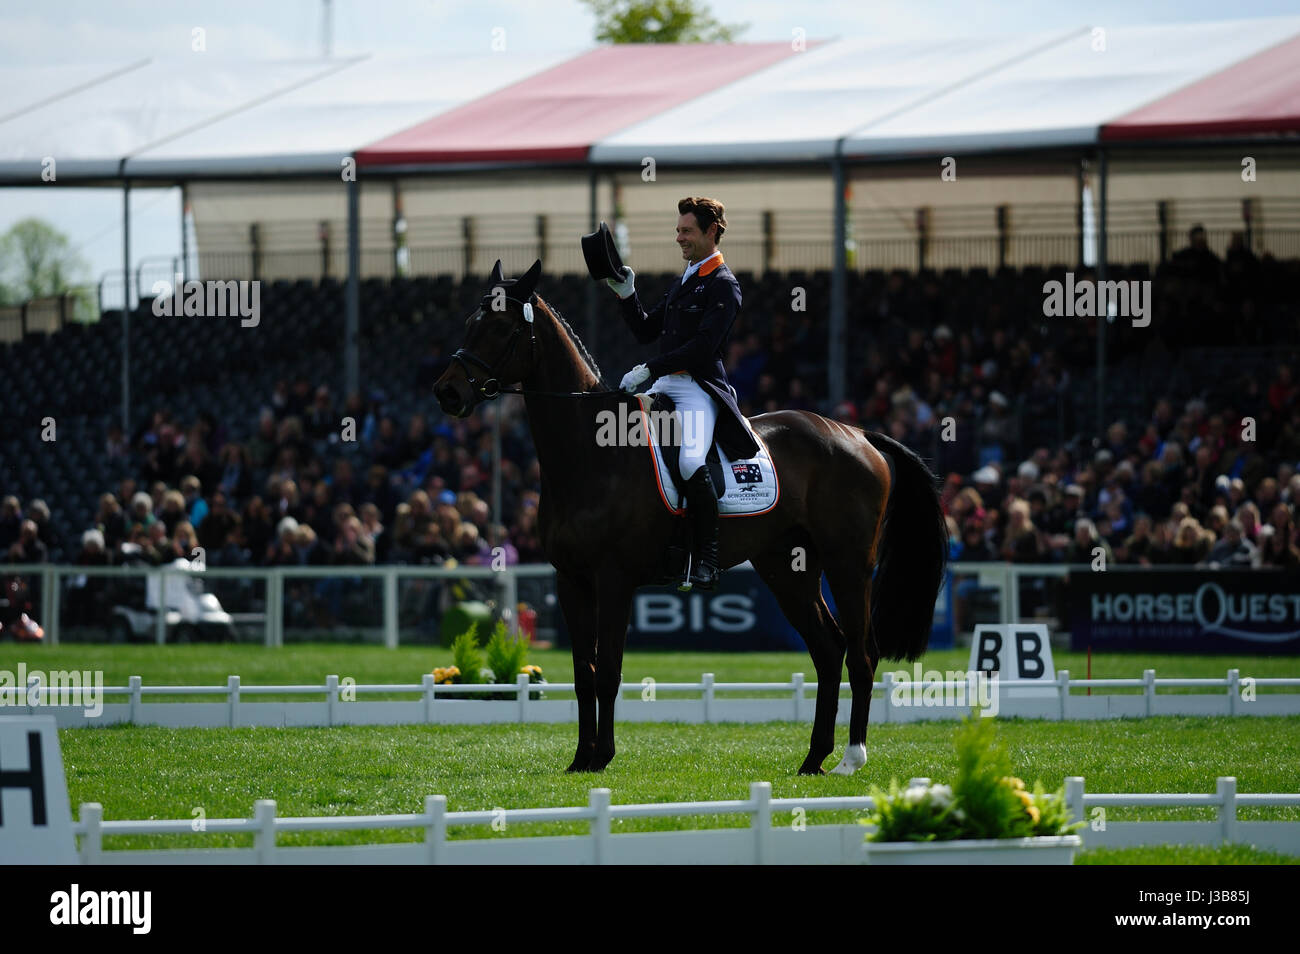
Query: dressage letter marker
point(35, 818)
point(1017, 651)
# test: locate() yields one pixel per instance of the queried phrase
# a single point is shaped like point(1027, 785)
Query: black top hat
point(602, 255)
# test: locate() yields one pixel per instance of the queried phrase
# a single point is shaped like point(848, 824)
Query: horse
point(855, 505)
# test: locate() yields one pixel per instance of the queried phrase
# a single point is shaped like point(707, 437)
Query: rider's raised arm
point(721, 305)
point(646, 325)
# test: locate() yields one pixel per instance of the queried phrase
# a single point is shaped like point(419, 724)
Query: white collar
point(692, 269)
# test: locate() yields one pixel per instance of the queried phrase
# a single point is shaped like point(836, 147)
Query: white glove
point(634, 378)
point(625, 287)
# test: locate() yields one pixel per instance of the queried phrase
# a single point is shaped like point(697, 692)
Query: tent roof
point(1063, 95)
point(559, 113)
point(797, 109)
point(731, 104)
point(1258, 95)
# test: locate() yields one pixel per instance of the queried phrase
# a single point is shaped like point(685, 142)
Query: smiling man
point(692, 322)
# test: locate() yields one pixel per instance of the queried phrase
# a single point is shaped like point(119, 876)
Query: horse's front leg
point(578, 603)
point(614, 602)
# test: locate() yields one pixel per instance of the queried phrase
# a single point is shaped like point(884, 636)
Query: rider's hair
point(707, 212)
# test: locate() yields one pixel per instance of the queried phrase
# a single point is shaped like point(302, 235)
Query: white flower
point(941, 795)
point(915, 795)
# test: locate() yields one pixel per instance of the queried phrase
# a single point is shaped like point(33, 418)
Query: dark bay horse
point(857, 506)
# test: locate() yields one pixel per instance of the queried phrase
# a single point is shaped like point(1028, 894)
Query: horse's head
point(498, 346)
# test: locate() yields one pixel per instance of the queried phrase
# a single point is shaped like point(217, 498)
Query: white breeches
point(698, 414)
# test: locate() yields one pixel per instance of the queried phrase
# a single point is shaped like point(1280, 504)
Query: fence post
point(598, 800)
point(1149, 689)
point(331, 698)
point(160, 620)
point(1074, 797)
point(797, 679)
point(918, 783)
point(232, 699)
point(760, 819)
point(390, 608)
point(430, 688)
point(887, 677)
point(50, 603)
point(1226, 789)
point(1234, 690)
point(435, 832)
point(274, 594)
point(264, 837)
point(135, 684)
point(521, 693)
point(708, 697)
point(92, 842)
point(33, 692)
point(1063, 690)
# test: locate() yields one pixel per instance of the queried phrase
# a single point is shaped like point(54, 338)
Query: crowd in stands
point(1208, 477)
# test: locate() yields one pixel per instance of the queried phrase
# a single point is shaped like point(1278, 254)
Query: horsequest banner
point(1193, 611)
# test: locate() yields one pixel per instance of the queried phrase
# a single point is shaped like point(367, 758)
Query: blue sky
point(66, 31)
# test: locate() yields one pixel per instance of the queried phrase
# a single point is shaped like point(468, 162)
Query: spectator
point(195, 506)
point(28, 548)
point(1234, 549)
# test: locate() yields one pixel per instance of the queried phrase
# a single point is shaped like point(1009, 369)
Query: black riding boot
point(702, 506)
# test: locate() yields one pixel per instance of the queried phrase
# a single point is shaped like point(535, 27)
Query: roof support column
point(835, 357)
point(352, 299)
point(185, 233)
point(1102, 317)
point(126, 308)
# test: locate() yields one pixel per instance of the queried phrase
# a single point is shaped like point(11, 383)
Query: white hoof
point(855, 756)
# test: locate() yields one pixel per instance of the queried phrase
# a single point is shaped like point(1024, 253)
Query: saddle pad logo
point(746, 473)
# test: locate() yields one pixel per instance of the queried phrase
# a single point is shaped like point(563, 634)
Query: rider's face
point(693, 243)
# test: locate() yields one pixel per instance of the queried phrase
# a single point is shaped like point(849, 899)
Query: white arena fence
point(760, 843)
point(1056, 699)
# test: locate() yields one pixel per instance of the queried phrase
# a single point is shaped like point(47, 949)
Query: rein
point(491, 388)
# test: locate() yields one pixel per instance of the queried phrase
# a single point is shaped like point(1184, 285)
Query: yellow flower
point(1015, 783)
point(1033, 813)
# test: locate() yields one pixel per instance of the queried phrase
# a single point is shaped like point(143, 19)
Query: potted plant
point(499, 662)
point(986, 816)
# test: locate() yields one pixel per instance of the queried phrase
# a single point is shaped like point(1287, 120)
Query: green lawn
point(162, 773)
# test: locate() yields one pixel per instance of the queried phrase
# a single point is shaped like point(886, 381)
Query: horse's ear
point(496, 278)
point(527, 284)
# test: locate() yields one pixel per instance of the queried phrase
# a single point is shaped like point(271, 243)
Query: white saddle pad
point(750, 486)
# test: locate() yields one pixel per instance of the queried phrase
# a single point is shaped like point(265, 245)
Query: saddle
point(744, 488)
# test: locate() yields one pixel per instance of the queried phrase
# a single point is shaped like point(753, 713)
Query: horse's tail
point(911, 559)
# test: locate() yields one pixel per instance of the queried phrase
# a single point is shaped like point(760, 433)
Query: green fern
point(506, 656)
point(467, 657)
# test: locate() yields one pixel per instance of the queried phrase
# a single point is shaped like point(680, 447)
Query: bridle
point(490, 388)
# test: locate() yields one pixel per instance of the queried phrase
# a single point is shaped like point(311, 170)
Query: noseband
point(491, 387)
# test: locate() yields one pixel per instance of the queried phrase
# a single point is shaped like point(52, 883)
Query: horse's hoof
point(599, 762)
point(855, 756)
point(582, 760)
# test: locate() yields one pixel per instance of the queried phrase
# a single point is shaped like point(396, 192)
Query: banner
point(1193, 611)
point(741, 615)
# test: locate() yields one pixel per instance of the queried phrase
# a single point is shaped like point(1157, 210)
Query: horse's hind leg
point(799, 593)
point(851, 586)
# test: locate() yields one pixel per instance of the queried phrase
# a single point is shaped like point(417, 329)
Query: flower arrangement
point(985, 801)
point(499, 662)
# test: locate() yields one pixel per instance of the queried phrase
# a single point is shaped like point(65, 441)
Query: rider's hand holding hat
point(625, 287)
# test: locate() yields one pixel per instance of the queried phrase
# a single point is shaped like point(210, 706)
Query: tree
point(37, 260)
point(659, 21)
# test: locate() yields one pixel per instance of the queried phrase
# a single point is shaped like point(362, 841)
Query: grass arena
point(141, 772)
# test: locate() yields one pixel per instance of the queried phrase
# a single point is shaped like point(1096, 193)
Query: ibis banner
point(1194, 611)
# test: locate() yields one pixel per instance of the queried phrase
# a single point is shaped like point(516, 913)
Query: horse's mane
point(581, 348)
